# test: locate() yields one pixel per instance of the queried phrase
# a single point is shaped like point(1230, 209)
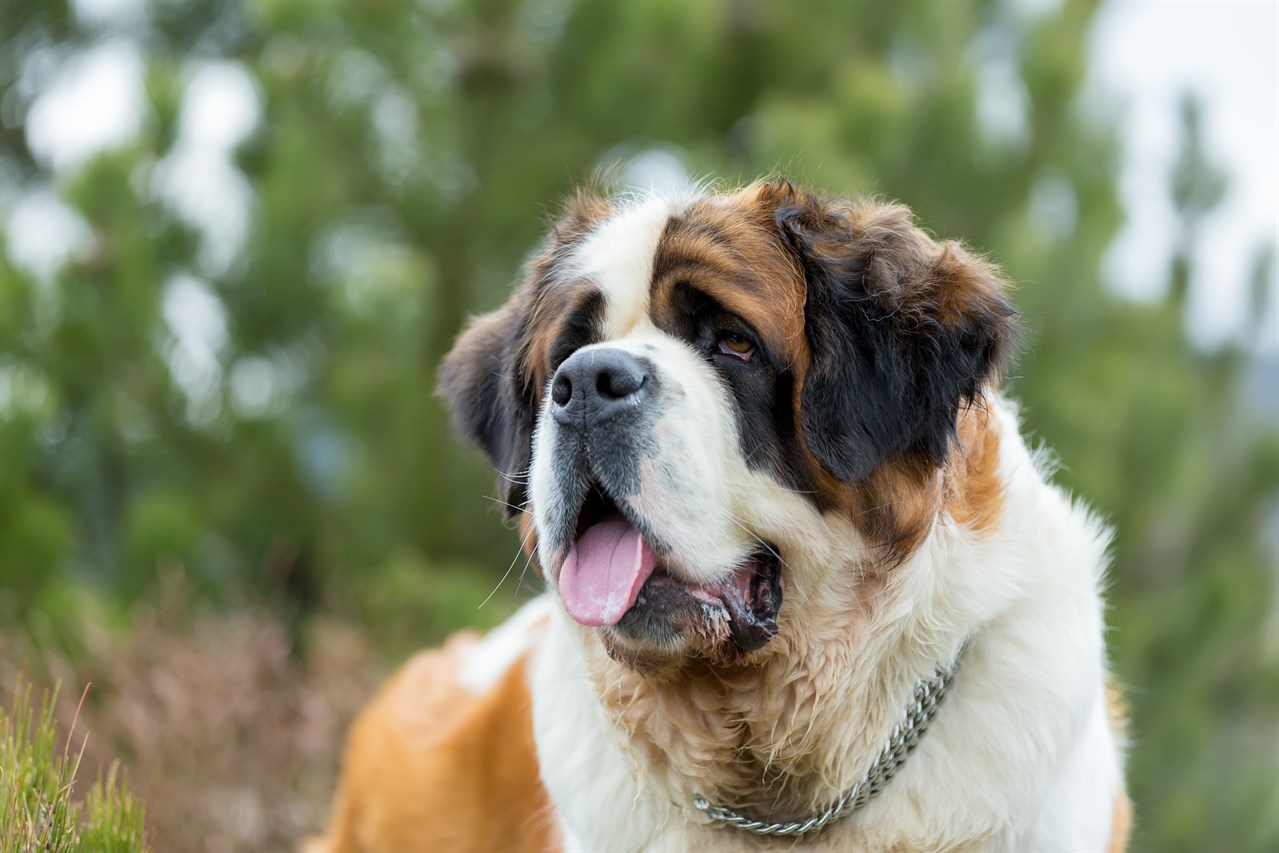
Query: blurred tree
point(400, 168)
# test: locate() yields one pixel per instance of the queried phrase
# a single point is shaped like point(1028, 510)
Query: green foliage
point(38, 810)
point(402, 168)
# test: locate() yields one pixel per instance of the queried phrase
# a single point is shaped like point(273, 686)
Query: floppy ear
point(904, 331)
point(480, 381)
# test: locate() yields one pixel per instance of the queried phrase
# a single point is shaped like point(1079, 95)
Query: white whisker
point(748, 532)
point(509, 569)
point(508, 504)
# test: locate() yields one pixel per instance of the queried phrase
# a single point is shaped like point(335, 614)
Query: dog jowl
point(756, 446)
point(682, 394)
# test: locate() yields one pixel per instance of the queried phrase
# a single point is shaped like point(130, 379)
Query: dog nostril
point(561, 390)
point(615, 385)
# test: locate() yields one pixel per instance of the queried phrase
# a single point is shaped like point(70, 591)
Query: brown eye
point(738, 346)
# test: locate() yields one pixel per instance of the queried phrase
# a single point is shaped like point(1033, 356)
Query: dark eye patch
point(709, 253)
point(582, 327)
point(684, 311)
point(703, 321)
point(762, 393)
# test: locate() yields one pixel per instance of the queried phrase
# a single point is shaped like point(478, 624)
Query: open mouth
point(612, 570)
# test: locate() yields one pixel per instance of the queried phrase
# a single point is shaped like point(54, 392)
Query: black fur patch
point(486, 378)
point(581, 329)
point(891, 368)
point(480, 379)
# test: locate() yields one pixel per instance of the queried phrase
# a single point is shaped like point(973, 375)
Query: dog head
point(690, 398)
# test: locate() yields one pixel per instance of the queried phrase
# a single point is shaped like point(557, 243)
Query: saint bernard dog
point(807, 585)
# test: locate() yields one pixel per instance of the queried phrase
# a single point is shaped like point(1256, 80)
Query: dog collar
point(928, 697)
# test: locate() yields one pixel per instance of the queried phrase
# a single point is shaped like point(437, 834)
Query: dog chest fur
point(786, 406)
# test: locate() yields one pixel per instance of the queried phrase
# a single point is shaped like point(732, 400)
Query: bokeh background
point(237, 237)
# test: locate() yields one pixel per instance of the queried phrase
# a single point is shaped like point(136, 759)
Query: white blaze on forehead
point(618, 259)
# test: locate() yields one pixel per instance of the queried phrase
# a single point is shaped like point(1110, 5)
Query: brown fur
point(898, 504)
point(549, 299)
point(494, 375)
point(730, 249)
point(974, 494)
point(703, 720)
point(552, 305)
point(922, 283)
point(430, 765)
point(764, 734)
point(1121, 822)
point(768, 733)
point(729, 254)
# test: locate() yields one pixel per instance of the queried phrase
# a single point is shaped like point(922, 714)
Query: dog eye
point(737, 346)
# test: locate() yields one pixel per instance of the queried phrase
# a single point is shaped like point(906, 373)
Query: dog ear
point(486, 379)
point(480, 382)
point(904, 331)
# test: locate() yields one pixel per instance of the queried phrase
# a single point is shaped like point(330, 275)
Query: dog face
point(688, 398)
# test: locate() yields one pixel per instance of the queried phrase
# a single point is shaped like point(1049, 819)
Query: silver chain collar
point(929, 694)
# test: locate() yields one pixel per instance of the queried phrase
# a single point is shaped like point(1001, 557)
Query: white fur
point(484, 664)
point(1020, 756)
point(618, 259)
point(721, 519)
point(693, 430)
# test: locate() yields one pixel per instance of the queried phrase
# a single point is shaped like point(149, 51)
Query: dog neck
point(786, 736)
point(783, 739)
point(919, 714)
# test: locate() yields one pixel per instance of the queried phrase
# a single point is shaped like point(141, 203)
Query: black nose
point(597, 384)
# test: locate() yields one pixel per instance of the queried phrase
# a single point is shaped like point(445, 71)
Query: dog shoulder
point(443, 757)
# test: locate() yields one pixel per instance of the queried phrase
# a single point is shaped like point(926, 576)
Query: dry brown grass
point(230, 741)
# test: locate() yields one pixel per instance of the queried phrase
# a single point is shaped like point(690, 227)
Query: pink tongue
point(604, 571)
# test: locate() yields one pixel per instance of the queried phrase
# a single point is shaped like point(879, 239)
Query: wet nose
point(594, 385)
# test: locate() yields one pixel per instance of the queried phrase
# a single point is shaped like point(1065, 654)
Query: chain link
point(901, 743)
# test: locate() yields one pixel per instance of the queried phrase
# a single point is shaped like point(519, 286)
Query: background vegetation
point(39, 806)
point(197, 527)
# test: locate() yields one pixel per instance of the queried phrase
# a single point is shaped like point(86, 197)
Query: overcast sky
point(1145, 54)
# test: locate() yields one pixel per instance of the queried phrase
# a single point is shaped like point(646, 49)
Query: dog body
point(755, 447)
point(1022, 755)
